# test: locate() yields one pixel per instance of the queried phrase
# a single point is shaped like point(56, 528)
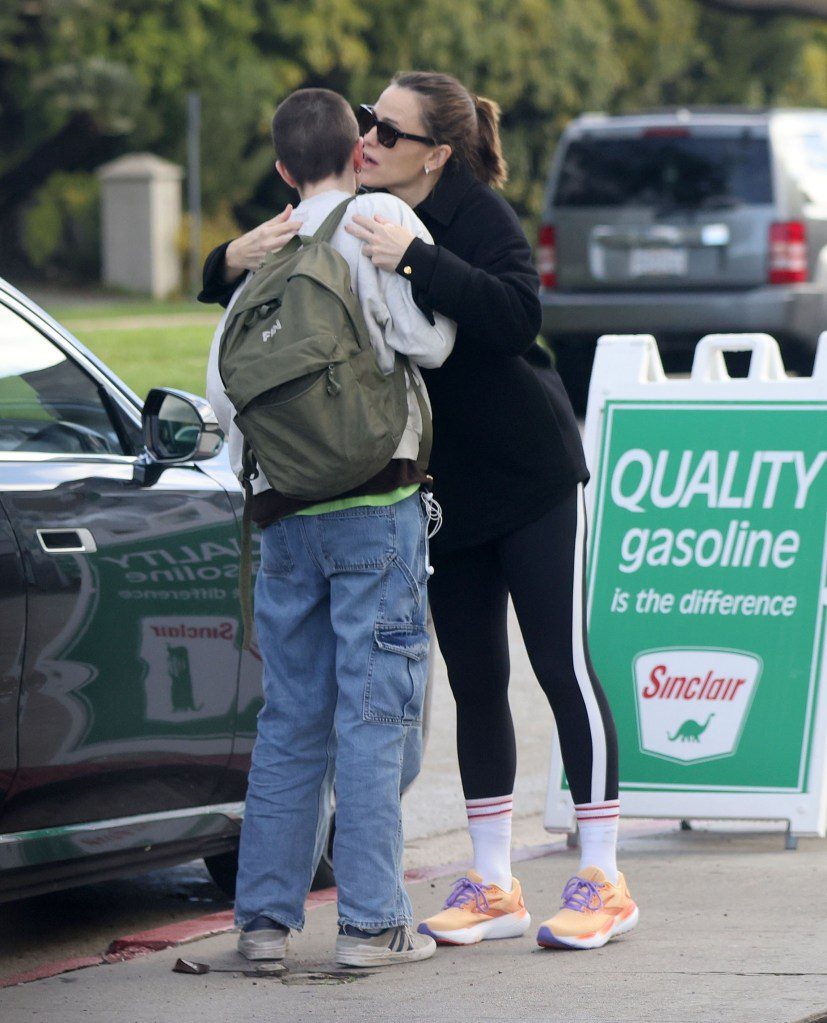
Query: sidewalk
point(732, 930)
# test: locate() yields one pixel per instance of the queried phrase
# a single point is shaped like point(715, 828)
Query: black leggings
point(542, 567)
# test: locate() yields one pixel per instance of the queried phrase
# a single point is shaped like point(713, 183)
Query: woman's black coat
point(506, 443)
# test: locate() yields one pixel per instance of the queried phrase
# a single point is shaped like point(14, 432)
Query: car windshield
point(667, 172)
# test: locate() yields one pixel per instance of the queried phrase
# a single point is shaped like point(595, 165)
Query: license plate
point(653, 262)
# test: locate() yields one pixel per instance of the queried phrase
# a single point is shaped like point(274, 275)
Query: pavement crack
point(730, 973)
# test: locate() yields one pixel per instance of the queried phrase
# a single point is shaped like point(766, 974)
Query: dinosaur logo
point(690, 731)
point(693, 703)
point(180, 676)
point(180, 654)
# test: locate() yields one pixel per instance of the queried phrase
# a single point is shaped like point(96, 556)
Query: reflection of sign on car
point(183, 655)
point(692, 704)
point(178, 662)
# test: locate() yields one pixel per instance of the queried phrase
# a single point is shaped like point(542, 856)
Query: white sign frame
point(629, 367)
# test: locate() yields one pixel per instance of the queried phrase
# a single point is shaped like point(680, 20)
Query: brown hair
point(314, 132)
point(454, 116)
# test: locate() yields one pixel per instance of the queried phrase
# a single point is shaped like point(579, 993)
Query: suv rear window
point(666, 171)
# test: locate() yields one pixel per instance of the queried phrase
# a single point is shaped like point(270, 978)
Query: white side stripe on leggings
point(581, 671)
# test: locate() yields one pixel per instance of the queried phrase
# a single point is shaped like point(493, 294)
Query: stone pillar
point(141, 221)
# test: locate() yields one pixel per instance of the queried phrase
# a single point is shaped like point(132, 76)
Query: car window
point(805, 155)
point(813, 148)
point(47, 402)
point(666, 172)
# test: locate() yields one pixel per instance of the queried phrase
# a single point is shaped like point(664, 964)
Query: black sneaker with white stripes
point(390, 947)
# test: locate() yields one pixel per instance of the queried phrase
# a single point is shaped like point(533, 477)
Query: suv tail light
point(547, 256)
point(788, 253)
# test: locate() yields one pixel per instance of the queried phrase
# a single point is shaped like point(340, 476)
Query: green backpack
point(317, 414)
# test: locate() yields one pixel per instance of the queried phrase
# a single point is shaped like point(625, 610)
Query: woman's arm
point(226, 264)
point(494, 299)
point(387, 299)
point(214, 286)
point(496, 305)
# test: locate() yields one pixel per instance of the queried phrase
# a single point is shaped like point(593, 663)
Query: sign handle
point(765, 363)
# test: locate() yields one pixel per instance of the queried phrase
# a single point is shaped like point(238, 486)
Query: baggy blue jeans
point(341, 621)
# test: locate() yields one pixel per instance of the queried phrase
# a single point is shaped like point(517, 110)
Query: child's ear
point(359, 155)
point(285, 174)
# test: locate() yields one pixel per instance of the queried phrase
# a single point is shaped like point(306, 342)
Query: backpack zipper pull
point(333, 387)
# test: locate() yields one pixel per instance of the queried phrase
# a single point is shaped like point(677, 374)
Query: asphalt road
point(83, 921)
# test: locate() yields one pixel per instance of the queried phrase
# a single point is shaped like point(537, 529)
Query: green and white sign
point(706, 586)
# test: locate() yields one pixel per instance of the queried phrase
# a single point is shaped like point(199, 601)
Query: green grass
point(127, 307)
point(174, 355)
point(157, 357)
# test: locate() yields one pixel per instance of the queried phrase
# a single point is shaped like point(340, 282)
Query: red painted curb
point(172, 934)
point(322, 897)
point(51, 970)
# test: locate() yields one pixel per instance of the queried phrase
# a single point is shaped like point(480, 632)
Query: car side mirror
point(178, 427)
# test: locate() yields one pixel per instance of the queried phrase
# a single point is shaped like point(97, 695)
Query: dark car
point(127, 706)
point(683, 223)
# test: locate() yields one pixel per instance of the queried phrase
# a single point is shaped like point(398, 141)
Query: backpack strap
point(249, 471)
point(288, 248)
point(332, 221)
point(325, 232)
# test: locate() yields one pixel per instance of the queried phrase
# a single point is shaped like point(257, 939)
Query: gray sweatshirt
point(394, 322)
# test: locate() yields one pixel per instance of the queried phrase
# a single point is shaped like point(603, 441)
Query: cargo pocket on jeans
point(397, 674)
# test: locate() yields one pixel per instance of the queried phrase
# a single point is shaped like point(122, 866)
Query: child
point(340, 608)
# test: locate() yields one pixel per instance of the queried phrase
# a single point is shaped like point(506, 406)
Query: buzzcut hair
point(314, 132)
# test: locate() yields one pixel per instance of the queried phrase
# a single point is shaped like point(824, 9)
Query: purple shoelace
point(463, 891)
point(579, 894)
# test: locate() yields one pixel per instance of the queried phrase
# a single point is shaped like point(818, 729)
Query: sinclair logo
point(183, 656)
point(692, 703)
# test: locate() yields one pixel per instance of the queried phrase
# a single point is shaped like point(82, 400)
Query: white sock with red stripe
point(489, 823)
point(597, 823)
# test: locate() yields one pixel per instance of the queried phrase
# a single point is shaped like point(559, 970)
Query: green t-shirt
point(366, 500)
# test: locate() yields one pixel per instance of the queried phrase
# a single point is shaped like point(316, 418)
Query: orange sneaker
point(475, 912)
point(593, 911)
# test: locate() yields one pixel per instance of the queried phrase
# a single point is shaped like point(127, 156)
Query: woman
point(509, 472)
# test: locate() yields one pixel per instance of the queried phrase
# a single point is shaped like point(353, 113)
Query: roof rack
point(723, 108)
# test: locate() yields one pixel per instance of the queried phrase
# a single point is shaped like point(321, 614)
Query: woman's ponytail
point(453, 116)
point(493, 168)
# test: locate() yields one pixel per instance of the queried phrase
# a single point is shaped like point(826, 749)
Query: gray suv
point(684, 223)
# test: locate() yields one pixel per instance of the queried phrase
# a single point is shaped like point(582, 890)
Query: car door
point(12, 635)
point(129, 680)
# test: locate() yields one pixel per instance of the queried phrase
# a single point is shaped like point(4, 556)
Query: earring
point(427, 170)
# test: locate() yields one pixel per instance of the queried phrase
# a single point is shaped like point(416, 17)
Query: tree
point(805, 8)
point(84, 80)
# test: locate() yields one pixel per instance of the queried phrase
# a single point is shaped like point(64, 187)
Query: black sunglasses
point(386, 134)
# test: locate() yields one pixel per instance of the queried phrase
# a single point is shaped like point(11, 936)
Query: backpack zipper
point(333, 386)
